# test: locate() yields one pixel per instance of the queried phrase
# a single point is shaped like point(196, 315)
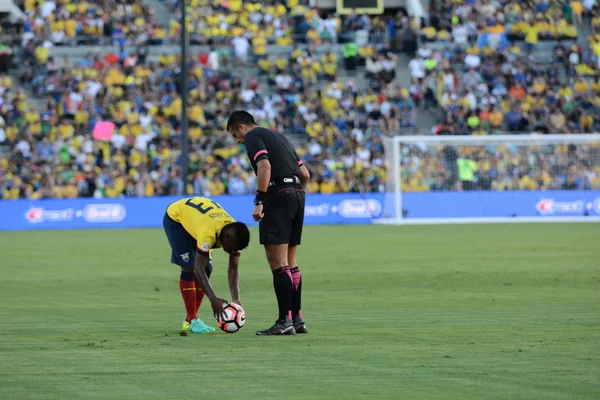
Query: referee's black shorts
point(283, 216)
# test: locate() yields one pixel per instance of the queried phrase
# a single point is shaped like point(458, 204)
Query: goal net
point(503, 178)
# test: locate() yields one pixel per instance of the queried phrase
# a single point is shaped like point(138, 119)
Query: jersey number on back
point(200, 205)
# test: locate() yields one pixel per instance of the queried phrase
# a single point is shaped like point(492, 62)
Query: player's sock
point(200, 292)
point(187, 285)
point(296, 293)
point(282, 281)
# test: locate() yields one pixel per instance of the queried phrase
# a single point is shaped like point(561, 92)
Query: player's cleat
point(186, 326)
point(278, 329)
point(300, 326)
point(197, 326)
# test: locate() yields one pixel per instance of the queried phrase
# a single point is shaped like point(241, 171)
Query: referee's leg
point(274, 232)
point(295, 239)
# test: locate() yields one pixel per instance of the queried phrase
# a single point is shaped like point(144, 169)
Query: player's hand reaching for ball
point(217, 306)
point(258, 214)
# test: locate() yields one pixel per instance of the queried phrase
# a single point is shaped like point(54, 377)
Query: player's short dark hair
point(240, 117)
point(240, 233)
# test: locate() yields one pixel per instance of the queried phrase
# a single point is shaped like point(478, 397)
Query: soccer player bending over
point(194, 226)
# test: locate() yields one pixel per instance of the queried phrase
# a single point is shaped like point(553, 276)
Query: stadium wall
point(320, 209)
point(490, 204)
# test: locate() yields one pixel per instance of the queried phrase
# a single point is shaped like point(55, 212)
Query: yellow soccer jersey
point(203, 219)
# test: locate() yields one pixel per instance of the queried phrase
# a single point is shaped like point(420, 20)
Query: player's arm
point(201, 277)
point(233, 277)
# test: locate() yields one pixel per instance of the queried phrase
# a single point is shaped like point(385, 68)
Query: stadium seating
point(89, 22)
point(273, 22)
point(521, 69)
point(138, 92)
point(308, 91)
point(457, 21)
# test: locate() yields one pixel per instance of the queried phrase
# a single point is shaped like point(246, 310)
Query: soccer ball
point(234, 318)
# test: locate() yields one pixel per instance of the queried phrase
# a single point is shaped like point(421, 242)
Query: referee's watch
point(259, 198)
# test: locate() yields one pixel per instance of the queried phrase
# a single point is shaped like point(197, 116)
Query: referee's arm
point(304, 174)
point(257, 151)
point(263, 175)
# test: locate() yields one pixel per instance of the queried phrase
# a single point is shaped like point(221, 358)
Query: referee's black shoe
point(300, 326)
point(280, 328)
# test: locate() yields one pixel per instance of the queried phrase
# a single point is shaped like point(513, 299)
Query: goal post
point(484, 179)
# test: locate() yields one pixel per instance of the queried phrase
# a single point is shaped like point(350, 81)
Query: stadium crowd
point(501, 167)
point(482, 70)
point(54, 154)
point(461, 22)
point(66, 22)
point(485, 75)
point(482, 86)
point(258, 23)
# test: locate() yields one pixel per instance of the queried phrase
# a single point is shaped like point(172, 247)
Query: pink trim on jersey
point(258, 153)
point(300, 163)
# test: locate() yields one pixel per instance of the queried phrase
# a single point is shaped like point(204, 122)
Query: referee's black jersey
point(264, 144)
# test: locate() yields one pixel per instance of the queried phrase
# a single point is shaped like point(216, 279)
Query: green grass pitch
point(453, 312)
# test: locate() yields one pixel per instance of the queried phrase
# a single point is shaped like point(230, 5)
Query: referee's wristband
point(259, 198)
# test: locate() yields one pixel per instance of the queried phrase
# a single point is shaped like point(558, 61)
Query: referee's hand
point(258, 214)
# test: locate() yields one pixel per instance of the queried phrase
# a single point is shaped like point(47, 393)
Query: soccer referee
point(279, 206)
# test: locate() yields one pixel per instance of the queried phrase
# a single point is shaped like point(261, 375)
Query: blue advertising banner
point(320, 209)
point(148, 212)
point(478, 204)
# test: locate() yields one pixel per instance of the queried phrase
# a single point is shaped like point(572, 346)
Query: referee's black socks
point(283, 283)
point(296, 293)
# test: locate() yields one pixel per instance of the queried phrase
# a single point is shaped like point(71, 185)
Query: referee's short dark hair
point(240, 117)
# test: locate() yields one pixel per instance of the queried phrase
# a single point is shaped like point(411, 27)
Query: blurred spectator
point(64, 23)
point(54, 154)
point(464, 168)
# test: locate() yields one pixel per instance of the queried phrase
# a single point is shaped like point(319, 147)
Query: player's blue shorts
point(183, 245)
